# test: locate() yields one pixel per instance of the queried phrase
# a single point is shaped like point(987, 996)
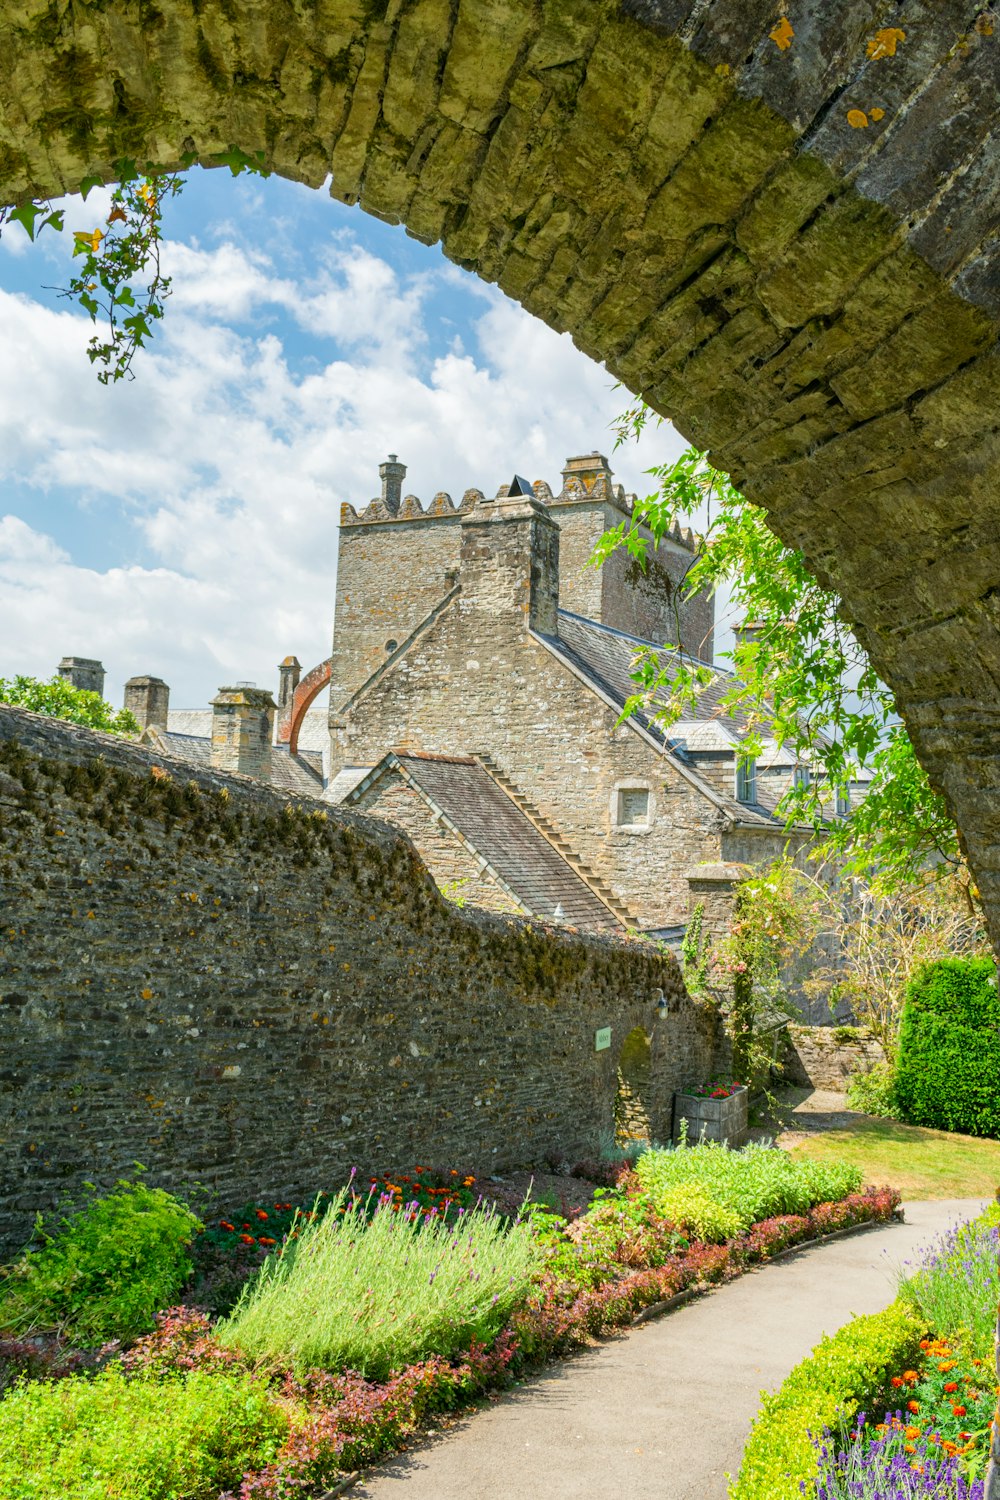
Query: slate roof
point(289, 773)
point(499, 832)
point(603, 657)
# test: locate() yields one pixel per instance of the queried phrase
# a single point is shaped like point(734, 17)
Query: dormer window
point(801, 778)
point(746, 781)
point(632, 808)
point(843, 803)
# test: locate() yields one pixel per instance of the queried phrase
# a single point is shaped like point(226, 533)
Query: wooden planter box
point(723, 1120)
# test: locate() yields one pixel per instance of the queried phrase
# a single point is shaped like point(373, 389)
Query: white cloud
point(222, 466)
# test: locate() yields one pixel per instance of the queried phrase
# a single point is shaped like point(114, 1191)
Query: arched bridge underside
point(782, 229)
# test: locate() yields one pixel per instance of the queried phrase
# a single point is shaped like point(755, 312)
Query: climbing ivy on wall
point(120, 282)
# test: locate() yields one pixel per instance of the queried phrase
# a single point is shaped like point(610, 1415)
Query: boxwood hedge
point(841, 1375)
point(948, 1067)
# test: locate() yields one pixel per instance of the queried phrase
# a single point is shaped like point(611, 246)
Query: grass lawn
point(921, 1163)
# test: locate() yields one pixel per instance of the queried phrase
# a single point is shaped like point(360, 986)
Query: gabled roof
point(471, 803)
point(602, 657)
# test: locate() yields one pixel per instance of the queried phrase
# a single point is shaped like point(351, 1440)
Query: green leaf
point(26, 216)
point(88, 184)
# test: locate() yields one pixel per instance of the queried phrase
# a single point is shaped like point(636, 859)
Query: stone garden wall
point(254, 993)
point(824, 1057)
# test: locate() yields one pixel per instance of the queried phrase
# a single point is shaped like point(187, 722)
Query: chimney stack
point(510, 558)
point(83, 672)
point(749, 633)
point(392, 475)
point(242, 730)
point(148, 699)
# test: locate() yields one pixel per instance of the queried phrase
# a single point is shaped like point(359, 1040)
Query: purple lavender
point(873, 1465)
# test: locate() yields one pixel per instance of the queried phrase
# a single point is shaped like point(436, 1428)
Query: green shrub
point(872, 1091)
point(955, 1283)
point(691, 1207)
point(840, 1376)
point(375, 1294)
point(106, 1269)
point(752, 1184)
point(59, 699)
point(182, 1438)
point(949, 1047)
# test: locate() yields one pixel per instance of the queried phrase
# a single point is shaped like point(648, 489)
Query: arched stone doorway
point(635, 1063)
point(783, 236)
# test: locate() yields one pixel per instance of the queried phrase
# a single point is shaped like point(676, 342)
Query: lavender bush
point(890, 1463)
point(955, 1284)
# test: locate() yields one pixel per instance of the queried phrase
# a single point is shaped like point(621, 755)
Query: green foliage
point(842, 1374)
point(105, 1270)
point(804, 678)
point(955, 1285)
point(61, 700)
point(693, 1208)
point(115, 258)
point(755, 1183)
point(189, 1436)
point(772, 922)
point(696, 952)
point(375, 1293)
point(949, 1047)
point(872, 1091)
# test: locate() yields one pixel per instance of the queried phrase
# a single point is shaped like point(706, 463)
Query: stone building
point(479, 674)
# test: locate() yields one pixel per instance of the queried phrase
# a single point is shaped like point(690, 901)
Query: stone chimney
point(510, 559)
point(148, 698)
point(242, 730)
point(749, 633)
point(588, 476)
point(83, 672)
point(289, 675)
point(392, 475)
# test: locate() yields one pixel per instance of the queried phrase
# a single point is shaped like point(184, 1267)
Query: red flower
point(913, 1406)
point(958, 1411)
point(951, 1386)
point(261, 1214)
point(247, 1239)
point(265, 1240)
point(897, 1381)
point(225, 1224)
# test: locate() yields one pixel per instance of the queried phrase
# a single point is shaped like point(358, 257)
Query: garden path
point(664, 1410)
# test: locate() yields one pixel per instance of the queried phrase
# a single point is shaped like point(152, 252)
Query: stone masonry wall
point(389, 578)
point(824, 1057)
point(240, 990)
point(478, 682)
point(783, 235)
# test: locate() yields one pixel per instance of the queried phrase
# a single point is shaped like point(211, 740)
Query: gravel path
point(662, 1411)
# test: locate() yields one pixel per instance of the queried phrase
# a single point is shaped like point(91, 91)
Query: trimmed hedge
point(838, 1378)
point(948, 1068)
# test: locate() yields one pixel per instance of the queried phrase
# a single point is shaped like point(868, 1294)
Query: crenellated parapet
point(586, 480)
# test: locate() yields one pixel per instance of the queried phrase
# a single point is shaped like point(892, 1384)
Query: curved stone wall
point(780, 229)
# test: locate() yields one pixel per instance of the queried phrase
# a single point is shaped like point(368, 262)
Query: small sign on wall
point(602, 1039)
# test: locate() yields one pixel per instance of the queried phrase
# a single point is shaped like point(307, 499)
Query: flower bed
point(598, 1273)
point(883, 1411)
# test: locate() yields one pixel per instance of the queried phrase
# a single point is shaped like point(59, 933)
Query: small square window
point(801, 777)
point(633, 807)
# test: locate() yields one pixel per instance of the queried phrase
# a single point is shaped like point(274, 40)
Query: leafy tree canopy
point(61, 700)
point(802, 678)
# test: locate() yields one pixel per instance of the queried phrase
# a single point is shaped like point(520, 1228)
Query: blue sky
point(184, 523)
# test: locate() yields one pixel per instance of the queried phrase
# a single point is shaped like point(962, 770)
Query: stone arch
point(305, 695)
point(782, 236)
point(632, 1098)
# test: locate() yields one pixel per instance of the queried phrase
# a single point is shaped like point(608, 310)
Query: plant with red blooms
point(715, 1090)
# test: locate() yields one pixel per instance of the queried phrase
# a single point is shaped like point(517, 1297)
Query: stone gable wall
point(389, 578)
point(447, 859)
point(256, 993)
point(478, 682)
